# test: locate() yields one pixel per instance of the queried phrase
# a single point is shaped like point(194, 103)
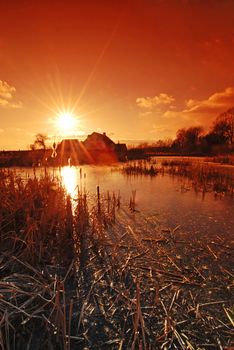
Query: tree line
point(194, 140)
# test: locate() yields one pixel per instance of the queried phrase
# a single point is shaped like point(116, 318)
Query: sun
point(66, 122)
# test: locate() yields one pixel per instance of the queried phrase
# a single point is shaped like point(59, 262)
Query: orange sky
point(138, 69)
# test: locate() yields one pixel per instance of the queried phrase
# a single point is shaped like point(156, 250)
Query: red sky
point(135, 69)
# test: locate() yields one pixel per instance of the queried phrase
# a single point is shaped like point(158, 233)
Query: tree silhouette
point(40, 142)
point(223, 127)
point(188, 139)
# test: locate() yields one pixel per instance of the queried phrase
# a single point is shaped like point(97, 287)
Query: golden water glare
point(69, 180)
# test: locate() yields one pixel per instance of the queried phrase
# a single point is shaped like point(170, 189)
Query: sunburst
point(66, 122)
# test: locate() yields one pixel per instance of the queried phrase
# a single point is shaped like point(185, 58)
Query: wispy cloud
point(200, 112)
point(7, 96)
point(149, 103)
point(6, 91)
point(213, 104)
point(166, 120)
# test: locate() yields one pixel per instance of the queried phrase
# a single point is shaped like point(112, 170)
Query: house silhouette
point(97, 148)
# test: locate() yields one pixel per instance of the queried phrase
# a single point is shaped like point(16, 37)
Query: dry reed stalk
point(69, 325)
point(109, 295)
point(98, 200)
point(138, 320)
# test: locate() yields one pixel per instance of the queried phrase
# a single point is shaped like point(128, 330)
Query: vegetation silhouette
point(194, 141)
point(98, 148)
point(40, 142)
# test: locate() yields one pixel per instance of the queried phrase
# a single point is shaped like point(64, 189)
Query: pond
point(168, 200)
point(168, 258)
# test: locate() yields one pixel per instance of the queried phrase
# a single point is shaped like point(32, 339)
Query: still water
point(169, 200)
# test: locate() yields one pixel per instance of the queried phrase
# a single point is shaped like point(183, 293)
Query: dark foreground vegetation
point(95, 274)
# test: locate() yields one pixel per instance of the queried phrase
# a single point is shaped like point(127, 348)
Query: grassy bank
point(90, 273)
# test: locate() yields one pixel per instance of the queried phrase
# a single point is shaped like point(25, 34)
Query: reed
point(89, 273)
point(222, 159)
point(140, 168)
point(202, 177)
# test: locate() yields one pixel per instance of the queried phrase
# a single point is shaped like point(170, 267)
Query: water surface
point(169, 200)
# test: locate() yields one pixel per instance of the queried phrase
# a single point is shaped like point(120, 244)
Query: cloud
point(150, 103)
point(192, 112)
point(6, 90)
point(145, 113)
point(203, 111)
point(3, 102)
point(7, 96)
point(216, 103)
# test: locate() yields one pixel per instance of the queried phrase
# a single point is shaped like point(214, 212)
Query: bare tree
point(40, 142)
point(188, 139)
point(224, 126)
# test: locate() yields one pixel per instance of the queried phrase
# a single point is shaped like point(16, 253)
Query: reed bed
point(222, 159)
point(201, 177)
point(141, 167)
point(175, 162)
point(76, 275)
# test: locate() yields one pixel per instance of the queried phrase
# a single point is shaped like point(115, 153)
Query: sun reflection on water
point(69, 179)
